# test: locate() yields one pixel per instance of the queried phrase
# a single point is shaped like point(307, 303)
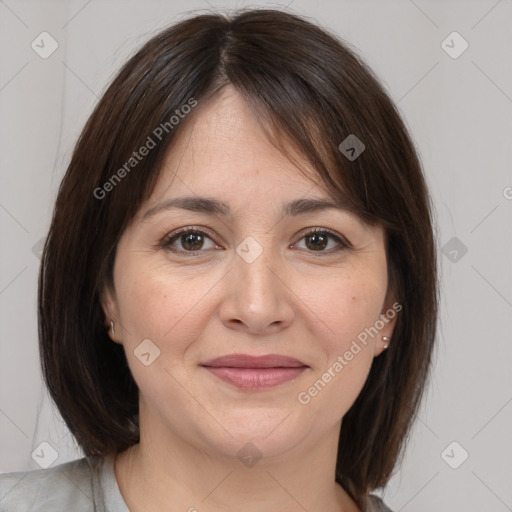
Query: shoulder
point(67, 486)
point(375, 504)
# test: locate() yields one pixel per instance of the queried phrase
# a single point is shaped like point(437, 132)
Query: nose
point(257, 298)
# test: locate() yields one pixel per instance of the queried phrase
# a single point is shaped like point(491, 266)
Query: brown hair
point(311, 91)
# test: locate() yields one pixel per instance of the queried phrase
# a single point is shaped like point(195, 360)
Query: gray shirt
point(83, 485)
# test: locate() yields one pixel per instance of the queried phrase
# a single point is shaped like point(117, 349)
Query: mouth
point(254, 373)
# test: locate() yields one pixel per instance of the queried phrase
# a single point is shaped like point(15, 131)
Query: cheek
point(334, 390)
point(168, 309)
point(348, 354)
point(344, 306)
point(343, 313)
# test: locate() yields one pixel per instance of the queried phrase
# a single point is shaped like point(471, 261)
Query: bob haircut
point(309, 91)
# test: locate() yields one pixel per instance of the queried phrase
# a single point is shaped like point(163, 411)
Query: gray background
point(459, 112)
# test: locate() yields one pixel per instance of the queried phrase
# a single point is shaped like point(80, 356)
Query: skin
point(292, 300)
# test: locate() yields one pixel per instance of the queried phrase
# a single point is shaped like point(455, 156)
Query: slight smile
point(255, 372)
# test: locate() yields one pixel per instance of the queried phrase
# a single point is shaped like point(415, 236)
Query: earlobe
point(388, 321)
point(112, 333)
point(108, 306)
point(381, 346)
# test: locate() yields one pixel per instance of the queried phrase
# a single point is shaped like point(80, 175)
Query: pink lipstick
point(253, 372)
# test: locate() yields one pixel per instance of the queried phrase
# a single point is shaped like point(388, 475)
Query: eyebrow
point(215, 207)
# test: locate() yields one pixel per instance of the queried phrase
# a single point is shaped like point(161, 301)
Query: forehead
point(223, 149)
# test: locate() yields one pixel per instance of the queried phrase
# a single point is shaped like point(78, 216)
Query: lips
point(255, 373)
point(247, 361)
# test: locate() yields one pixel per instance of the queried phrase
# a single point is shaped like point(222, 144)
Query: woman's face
point(249, 280)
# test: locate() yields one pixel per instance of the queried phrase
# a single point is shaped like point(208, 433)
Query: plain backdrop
point(458, 107)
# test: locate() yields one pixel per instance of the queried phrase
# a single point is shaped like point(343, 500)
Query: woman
point(238, 293)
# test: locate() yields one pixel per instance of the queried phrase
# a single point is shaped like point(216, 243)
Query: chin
point(266, 433)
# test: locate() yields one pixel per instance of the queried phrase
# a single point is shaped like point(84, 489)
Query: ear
point(387, 320)
point(109, 305)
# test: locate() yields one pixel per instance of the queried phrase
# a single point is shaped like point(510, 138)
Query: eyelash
point(172, 237)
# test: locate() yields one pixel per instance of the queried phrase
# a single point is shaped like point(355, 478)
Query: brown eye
point(316, 241)
point(319, 240)
point(192, 241)
point(188, 240)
